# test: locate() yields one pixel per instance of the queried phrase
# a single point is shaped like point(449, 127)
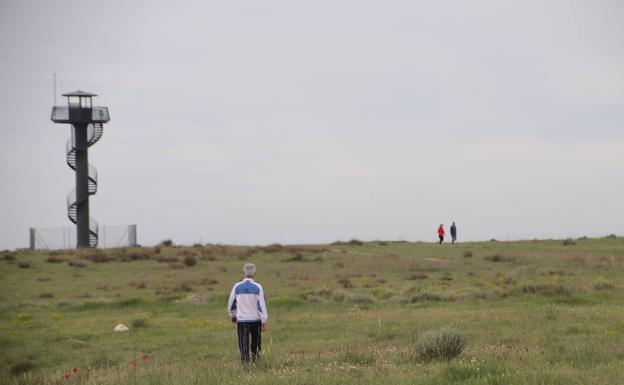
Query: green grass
point(531, 312)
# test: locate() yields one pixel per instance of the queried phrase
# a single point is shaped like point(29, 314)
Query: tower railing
point(98, 114)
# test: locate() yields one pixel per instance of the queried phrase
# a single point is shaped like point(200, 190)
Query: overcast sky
point(255, 122)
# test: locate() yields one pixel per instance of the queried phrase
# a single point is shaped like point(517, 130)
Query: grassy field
point(532, 312)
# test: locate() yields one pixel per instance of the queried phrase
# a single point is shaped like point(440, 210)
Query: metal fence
point(56, 238)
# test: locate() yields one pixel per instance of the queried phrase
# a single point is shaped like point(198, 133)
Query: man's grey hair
point(249, 269)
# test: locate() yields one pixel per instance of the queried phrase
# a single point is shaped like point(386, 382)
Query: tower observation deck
point(87, 128)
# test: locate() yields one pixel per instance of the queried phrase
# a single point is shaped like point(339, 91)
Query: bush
point(298, 257)
point(52, 259)
point(21, 367)
point(140, 254)
point(23, 265)
point(166, 243)
point(185, 287)
point(140, 321)
point(419, 275)
point(355, 242)
point(162, 259)
point(569, 242)
point(359, 298)
point(546, 289)
point(446, 276)
point(46, 295)
point(467, 254)
point(9, 257)
point(339, 296)
point(97, 256)
point(345, 282)
point(443, 344)
point(77, 264)
point(433, 297)
point(499, 258)
point(603, 284)
point(190, 261)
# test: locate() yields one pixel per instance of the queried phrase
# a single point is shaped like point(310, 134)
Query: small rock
point(121, 328)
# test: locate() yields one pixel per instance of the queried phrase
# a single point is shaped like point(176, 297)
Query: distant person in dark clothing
point(453, 232)
point(441, 233)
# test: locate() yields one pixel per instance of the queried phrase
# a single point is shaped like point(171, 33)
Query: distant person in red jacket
point(441, 233)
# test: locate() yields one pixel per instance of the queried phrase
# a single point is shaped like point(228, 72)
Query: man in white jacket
point(248, 310)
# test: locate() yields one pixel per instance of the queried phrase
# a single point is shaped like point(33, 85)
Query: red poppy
point(74, 370)
point(67, 376)
point(133, 363)
point(146, 357)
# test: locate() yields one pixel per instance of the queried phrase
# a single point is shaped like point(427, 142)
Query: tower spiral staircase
point(94, 133)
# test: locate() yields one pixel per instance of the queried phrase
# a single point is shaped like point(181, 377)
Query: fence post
point(32, 238)
point(132, 236)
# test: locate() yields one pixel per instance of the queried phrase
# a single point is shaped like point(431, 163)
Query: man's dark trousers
point(249, 339)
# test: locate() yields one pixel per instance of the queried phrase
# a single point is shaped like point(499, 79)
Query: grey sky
point(283, 121)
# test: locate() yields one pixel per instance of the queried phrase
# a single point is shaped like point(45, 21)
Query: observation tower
point(86, 129)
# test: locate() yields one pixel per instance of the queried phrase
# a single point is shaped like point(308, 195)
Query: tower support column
point(82, 184)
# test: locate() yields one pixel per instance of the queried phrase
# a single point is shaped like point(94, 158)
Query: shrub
point(166, 243)
point(77, 264)
point(603, 284)
point(52, 259)
point(545, 289)
point(141, 254)
point(359, 298)
point(21, 367)
point(569, 242)
point(467, 254)
point(355, 242)
point(323, 292)
point(339, 296)
point(446, 276)
point(190, 261)
point(23, 265)
point(186, 287)
point(270, 249)
point(499, 258)
point(162, 259)
point(298, 257)
point(140, 321)
point(345, 282)
point(419, 275)
point(433, 297)
point(382, 243)
point(9, 257)
point(443, 344)
point(207, 256)
point(46, 295)
point(397, 299)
